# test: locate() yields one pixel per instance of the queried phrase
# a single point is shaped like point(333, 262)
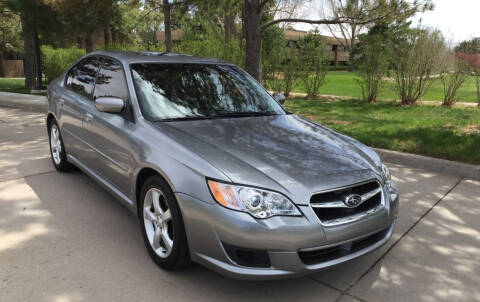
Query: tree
point(347, 33)
point(454, 72)
point(372, 58)
point(416, 55)
point(84, 17)
point(37, 20)
point(469, 46)
point(147, 25)
point(254, 9)
point(314, 62)
point(281, 62)
point(221, 16)
point(10, 33)
point(166, 6)
point(469, 52)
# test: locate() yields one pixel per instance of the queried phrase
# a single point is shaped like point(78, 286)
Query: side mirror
point(109, 104)
point(279, 98)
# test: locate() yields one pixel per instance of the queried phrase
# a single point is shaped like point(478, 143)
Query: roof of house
point(294, 35)
point(289, 35)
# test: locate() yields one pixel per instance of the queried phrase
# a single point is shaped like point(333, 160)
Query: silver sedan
point(217, 171)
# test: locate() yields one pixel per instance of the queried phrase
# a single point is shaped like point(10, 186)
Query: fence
point(11, 69)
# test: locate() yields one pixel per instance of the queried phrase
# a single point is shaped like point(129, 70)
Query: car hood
point(283, 153)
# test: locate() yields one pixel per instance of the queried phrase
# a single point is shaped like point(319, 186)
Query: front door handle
point(88, 117)
point(61, 101)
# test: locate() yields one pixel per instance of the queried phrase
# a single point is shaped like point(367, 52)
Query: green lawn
point(450, 133)
point(13, 85)
point(343, 83)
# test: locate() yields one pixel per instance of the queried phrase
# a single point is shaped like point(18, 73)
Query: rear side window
point(111, 80)
point(81, 78)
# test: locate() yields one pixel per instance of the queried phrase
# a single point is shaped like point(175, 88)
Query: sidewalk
point(37, 103)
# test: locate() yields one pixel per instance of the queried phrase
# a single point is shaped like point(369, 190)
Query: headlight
point(389, 183)
point(257, 202)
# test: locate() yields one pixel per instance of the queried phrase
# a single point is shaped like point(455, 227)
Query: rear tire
point(57, 148)
point(162, 225)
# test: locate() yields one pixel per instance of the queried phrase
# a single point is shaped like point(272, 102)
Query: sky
point(457, 19)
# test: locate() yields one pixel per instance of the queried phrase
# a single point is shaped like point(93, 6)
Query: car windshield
point(199, 91)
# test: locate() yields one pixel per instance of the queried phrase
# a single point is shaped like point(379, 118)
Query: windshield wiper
point(220, 115)
point(244, 114)
point(185, 118)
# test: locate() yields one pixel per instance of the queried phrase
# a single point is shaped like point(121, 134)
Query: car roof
point(156, 57)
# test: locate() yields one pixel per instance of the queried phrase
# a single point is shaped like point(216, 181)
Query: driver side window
point(81, 78)
point(111, 80)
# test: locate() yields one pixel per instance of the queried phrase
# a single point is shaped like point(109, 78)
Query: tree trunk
point(80, 42)
point(1, 65)
point(114, 36)
point(253, 39)
point(88, 43)
point(478, 88)
point(230, 30)
point(38, 60)
point(29, 59)
point(106, 37)
point(168, 25)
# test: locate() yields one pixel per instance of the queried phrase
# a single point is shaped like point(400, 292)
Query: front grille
point(330, 207)
point(324, 255)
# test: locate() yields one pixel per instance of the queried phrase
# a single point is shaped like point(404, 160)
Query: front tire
point(57, 148)
point(162, 225)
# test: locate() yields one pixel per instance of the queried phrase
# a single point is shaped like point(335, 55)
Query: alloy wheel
point(55, 144)
point(158, 222)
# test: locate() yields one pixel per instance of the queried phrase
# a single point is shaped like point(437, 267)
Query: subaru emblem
point(352, 200)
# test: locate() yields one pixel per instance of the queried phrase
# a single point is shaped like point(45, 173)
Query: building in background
point(334, 46)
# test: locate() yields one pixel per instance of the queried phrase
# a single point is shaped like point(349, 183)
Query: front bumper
point(211, 228)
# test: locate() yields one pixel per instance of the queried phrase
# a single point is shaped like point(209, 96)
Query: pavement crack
point(347, 291)
point(341, 291)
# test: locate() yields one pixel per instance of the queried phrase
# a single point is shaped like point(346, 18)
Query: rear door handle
point(61, 102)
point(88, 117)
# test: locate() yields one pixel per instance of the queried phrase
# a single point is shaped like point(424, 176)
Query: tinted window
point(111, 80)
point(176, 91)
point(81, 78)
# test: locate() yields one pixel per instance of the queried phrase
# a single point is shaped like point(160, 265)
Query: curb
point(430, 163)
point(39, 103)
point(36, 103)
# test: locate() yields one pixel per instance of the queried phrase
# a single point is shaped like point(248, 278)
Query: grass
point(449, 133)
point(13, 85)
point(343, 83)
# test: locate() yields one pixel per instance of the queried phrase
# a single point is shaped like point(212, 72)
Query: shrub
point(313, 61)
point(416, 53)
point(280, 64)
point(56, 61)
point(371, 58)
point(280, 70)
point(454, 72)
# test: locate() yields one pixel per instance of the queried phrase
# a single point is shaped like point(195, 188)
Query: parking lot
point(64, 238)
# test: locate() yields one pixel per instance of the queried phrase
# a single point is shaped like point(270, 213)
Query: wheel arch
point(50, 118)
point(142, 176)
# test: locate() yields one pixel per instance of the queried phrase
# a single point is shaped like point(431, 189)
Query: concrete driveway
point(63, 238)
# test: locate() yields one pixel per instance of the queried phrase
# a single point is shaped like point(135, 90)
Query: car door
point(74, 103)
point(109, 135)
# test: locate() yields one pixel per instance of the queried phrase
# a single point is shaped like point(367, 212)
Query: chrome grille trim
point(341, 204)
